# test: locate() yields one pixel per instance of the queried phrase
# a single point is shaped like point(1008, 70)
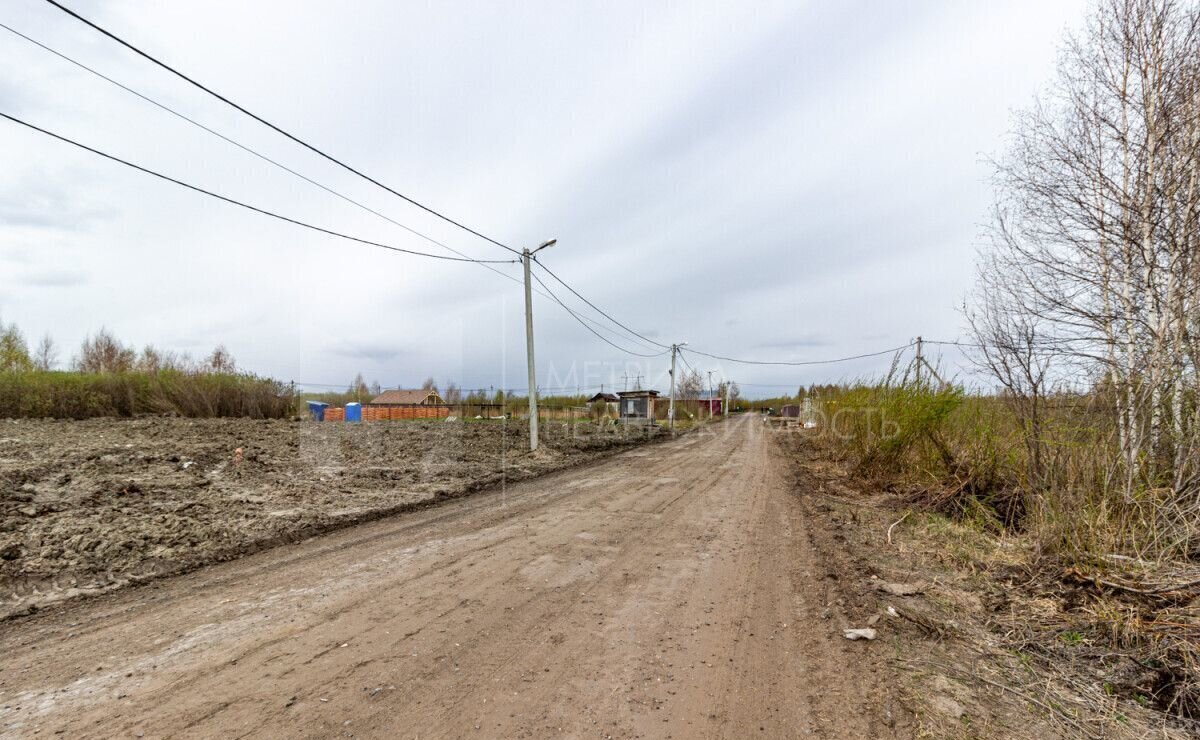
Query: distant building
point(418, 397)
point(637, 407)
point(611, 403)
point(711, 403)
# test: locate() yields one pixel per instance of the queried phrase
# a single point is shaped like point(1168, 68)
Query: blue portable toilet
point(354, 412)
point(317, 409)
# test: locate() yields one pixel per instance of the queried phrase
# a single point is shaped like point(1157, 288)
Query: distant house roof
point(610, 397)
point(636, 394)
point(418, 396)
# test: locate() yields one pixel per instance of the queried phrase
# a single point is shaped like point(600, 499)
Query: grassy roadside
point(992, 641)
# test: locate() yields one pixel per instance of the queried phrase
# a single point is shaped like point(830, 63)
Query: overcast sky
point(777, 181)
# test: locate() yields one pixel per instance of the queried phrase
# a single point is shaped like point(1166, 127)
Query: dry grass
point(1088, 566)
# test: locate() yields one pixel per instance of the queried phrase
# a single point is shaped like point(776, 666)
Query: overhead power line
point(593, 331)
point(281, 166)
point(598, 309)
point(716, 356)
point(238, 144)
point(462, 258)
point(276, 128)
point(239, 203)
point(687, 364)
point(806, 362)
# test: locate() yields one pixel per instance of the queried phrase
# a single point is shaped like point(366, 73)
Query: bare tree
point(150, 361)
point(104, 353)
point(429, 385)
point(45, 355)
point(220, 361)
point(1093, 271)
point(359, 388)
point(1009, 346)
point(689, 385)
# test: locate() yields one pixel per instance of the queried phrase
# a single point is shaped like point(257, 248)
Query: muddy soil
point(86, 506)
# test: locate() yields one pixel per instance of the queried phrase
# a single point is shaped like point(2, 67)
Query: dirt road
point(670, 591)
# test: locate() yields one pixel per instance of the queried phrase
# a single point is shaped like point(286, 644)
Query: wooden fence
point(398, 413)
point(405, 411)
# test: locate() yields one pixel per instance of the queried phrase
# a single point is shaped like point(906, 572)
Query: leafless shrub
point(104, 353)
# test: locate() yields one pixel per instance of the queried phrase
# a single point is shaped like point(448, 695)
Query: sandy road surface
point(666, 592)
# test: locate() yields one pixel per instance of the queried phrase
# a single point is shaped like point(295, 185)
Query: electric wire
point(412, 201)
point(593, 331)
point(274, 127)
point(801, 363)
point(721, 357)
point(599, 310)
point(247, 206)
point(687, 364)
point(373, 181)
point(227, 139)
point(285, 168)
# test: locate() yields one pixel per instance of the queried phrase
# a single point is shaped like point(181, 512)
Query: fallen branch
point(1076, 576)
point(895, 524)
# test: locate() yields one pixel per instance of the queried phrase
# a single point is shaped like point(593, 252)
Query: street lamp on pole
point(526, 258)
point(671, 405)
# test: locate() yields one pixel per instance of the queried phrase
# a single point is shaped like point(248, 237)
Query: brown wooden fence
point(405, 411)
point(398, 413)
point(402, 411)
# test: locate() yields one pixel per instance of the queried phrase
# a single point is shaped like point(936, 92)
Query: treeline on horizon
point(109, 378)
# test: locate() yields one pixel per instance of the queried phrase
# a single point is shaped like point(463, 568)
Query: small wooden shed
point(611, 403)
point(418, 397)
point(637, 407)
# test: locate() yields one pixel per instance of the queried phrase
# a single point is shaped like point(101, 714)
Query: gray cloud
point(61, 201)
point(798, 179)
point(373, 352)
point(802, 342)
point(54, 278)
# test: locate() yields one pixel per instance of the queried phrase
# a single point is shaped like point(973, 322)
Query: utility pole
point(671, 405)
point(725, 408)
point(920, 361)
point(526, 258)
point(710, 394)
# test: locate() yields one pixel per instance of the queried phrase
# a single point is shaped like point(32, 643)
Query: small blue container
point(354, 412)
point(317, 409)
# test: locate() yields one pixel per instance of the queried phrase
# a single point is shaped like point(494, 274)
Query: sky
point(770, 181)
